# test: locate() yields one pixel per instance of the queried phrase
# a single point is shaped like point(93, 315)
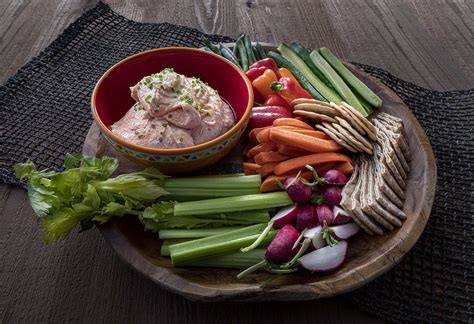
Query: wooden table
point(81, 279)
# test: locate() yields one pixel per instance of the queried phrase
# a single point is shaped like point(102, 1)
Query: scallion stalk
point(217, 244)
point(231, 204)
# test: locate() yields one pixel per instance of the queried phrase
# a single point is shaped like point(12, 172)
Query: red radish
point(264, 116)
point(345, 231)
point(297, 190)
point(325, 214)
point(340, 216)
point(316, 235)
point(281, 248)
point(285, 215)
point(326, 259)
point(334, 177)
point(332, 195)
point(306, 217)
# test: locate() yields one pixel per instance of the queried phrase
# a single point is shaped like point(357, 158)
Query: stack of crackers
point(344, 124)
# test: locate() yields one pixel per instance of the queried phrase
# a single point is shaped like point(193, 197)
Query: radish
point(345, 231)
point(281, 248)
point(325, 214)
point(340, 216)
point(316, 235)
point(297, 190)
point(326, 259)
point(332, 195)
point(279, 251)
point(306, 217)
point(285, 215)
point(334, 177)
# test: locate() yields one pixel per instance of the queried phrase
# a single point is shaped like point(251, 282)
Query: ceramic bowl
point(111, 100)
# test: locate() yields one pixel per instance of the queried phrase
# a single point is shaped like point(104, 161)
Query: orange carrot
point(267, 169)
point(344, 167)
point(264, 136)
point(265, 147)
point(271, 184)
point(291, 122)
point(304, 142)
point(271, 156)
point(295, 164)
point(253, 134)
point(250, 168)
point(291, 150)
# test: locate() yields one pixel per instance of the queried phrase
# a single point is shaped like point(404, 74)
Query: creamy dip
point(173, 111)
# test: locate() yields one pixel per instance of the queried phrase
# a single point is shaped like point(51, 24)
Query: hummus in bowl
point(173, 111)
point(179, 109)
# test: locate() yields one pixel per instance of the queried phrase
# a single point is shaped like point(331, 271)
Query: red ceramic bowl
point(111, 100)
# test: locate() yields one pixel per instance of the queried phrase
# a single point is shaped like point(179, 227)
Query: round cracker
point(368, 126)
point(338, 138)
point(348, 137)
point(317, 108)
point(356, 134)
point(359, 122)
point(314, 116)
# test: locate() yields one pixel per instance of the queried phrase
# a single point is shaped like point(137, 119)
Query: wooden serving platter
point(368, 256)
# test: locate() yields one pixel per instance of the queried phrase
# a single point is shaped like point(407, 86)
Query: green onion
point(234, 260)
point(231, 204)
point(217, 244)
point(195, 233)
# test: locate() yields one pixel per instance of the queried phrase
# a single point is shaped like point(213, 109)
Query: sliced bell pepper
point(289, 90)
point(275, 100)
point(263, 84)
point(269, 63)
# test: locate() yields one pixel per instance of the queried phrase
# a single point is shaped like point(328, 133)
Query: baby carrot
point(304, 142)
point(291, 122)
point(299, 163)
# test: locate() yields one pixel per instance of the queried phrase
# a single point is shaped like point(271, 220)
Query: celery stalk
point(217, 244)
point(165, 234)
point(234, 260)
point(189, 194)
point(165, 246)
point(215, 182)
point(231, 204)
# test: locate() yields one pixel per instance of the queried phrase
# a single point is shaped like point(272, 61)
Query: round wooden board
point(368, 256)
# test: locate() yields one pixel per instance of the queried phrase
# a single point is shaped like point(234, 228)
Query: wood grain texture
point(81, 279)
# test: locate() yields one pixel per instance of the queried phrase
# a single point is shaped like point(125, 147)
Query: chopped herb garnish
point(140, 136)
point(181, 140)
point(148, 99)
point(187, 99)
point(165, 124)
point(153, 126)
point(170, 115)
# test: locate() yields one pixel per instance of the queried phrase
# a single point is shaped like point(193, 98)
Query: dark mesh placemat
point(44, 114)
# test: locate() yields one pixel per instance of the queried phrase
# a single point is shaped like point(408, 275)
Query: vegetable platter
point(344, 257)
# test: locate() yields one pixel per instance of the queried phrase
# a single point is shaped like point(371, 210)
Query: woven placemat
point(44, 114)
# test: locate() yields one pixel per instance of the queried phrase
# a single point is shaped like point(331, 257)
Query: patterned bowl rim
point(172, 151)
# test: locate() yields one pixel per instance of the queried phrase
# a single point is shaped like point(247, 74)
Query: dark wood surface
point(81, 279)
